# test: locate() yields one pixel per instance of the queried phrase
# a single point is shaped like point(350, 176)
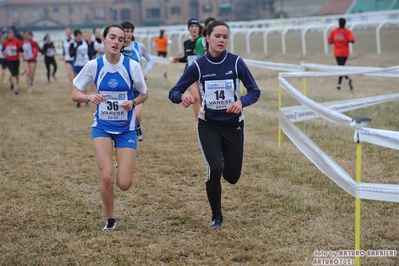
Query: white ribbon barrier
point(320, 110)
point(302, 113)
point(349, 70)
point(297, 70)
point(384, 138)
point(382, 192)
point(311, 109)
point(273, 66)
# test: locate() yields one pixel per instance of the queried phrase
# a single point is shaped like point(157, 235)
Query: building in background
point(36, 14)
point(39, 14)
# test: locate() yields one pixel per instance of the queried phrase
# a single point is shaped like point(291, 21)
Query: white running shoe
point(110, 224)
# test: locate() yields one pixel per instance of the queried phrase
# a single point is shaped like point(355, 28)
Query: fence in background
point(323, 24)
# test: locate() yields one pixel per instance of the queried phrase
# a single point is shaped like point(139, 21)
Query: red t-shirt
point(12, 49)
point(341, 38)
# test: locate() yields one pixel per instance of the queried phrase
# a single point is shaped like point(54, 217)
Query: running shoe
point(338, 86)
point(16, 91)
point(110, 224)
point(140, 132)
point(350, 84)
point(217, 222)
point(77, 105)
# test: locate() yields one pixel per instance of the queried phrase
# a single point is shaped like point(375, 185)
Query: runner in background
point(49, 57)
point(97, 49)
point(97, 45)
point(30, 51)
point(3, 65)
point(161, 42)
point(66, 43)
point(88, 37)
point(189, 57)
point(201, 44)
point(340, 38)
point(79, 51)
point(137, 50)
point(12, 48)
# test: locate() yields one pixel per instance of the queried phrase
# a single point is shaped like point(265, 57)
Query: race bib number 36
point(219, 94)
point(111, 110)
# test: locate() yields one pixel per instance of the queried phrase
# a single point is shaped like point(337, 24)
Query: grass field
point(281, 211)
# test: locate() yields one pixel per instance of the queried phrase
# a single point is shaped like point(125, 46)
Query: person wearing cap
point(12, 48)
point(189, 57)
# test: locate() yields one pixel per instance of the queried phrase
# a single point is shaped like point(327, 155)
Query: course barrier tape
point(273, 65)
point(302, 113)
point(320, 110)
point(371, 191)
point(383, 138)
point(292, 70)
point(367, 71)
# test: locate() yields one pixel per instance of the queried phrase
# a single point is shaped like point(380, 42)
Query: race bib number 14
point(219, 94)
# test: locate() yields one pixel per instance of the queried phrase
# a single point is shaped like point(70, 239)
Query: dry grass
point(280, 212)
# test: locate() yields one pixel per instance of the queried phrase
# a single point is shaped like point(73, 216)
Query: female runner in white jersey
point(66, 43)
point(221, 129)
point(115, 76)
point(30, 51)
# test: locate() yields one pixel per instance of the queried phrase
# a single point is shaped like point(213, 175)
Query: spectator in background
point(49, 57)
point(12, 48)
point(30, 51)
point(340, 38)
point(162, 42)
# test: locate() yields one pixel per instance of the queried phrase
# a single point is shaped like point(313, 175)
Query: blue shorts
point(123, 140)
point(77, 69)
